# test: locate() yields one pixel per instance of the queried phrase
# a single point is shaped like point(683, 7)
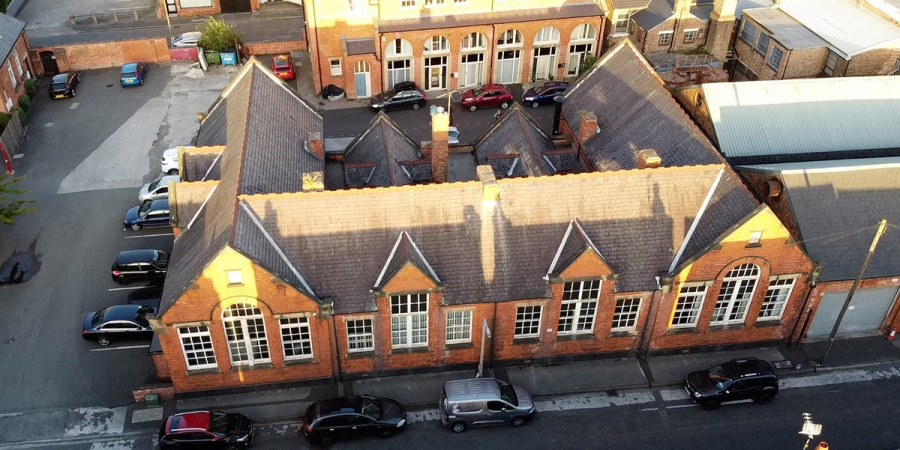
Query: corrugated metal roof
point(784, 29)
point(848, 27)
point(786, 117)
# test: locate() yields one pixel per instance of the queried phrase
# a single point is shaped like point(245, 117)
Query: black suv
point(140, 265)
point(738, 379)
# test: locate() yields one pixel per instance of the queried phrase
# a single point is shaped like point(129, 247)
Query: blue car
point(543, 94)
point(149, 214)
point(133, 74)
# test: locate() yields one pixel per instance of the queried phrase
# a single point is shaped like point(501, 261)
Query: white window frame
point(12, 75)
point(547, 35)
point(364, 333)
point(620, 16)
point(777, 295)
point(578, 308)
point(760, 38)
point(530, 321)
point(690, 35)
point(18, 63)
point(234, 277)
point(201, 346)
point(771, 59)
point(398, 48)
point(443, 45)
point(583, 32)
point(351, 6)
point(473, 41)
point(688, 305)
point(734, 298)
point(409, 319)
point(668, 35)
point(755, 238)
point(459, 326)
point(504, 41)
point(630, 316)
point(244, 321)
point(295, 330)
point(407, 3)
point(748, 33)
point(339, 67)
point(460, 2)
point(434, 3)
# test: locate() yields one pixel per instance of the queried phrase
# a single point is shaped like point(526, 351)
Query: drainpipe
point(493, 52)
point(812, 281)
point(318, 58)
point(493, 337)
point(337, 349)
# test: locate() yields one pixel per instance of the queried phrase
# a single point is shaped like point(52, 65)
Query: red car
point(487, 96)
point(283, 66)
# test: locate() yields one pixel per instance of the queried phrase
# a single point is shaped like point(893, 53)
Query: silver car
point(157, 189)
point(484, 401)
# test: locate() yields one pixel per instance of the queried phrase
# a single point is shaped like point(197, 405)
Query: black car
point(543, 94)
point(391, 100)
point(352, 417)
point(206, 430)
point(738, 379)
point(64, 84)
point(151, 213)
point(140, 265)
point(118, 323)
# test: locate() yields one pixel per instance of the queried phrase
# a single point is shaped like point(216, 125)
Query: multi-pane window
point(460, 2)
point(748, 32)
point(735, 294)
point(434, 2)
point(665, 38)
point(18, 61)
point(547, 35)
point(296, 338)
point(473, 41)
point(407, 3)
point(360, 337)
point(459, 326)
point(777, 295)
point(509, 38)
point(584, 31)
point(336, 69)
point(245, 332)
point(690, 36)
point(436, 44)
point(830, 63)
point(196, 343)
point(622, 20)
point(762, 44)
point(528, 321)
point(579, 307)
point(12, 76)
point(775, 58)
point(352, 5)
point(409, 320)
point(626, 314)
point(687, 309)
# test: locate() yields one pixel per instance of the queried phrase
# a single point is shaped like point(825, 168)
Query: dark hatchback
point(140, 265)
point(118, 323)
point(353, 417)
point(543, 94)
point(393, 100)
point(206, 430)
point(153, 213)
point(735, 380)
point(64, 84)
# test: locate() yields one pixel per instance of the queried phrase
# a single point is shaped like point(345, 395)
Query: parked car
point(64, 84)
point(543, 94)
point(482, 402)
point(206, 430)
point(133, 74)
point(343, 418)
point(148, 214)
point(170, 161)
point(157, 189)
point(189, 39)
point(487, 96)
point(738, 379)
point(118, 323)
point(283, 66)
point(145, 264)
point(391, 100)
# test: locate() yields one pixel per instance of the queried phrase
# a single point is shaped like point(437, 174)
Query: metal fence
point(13, 136)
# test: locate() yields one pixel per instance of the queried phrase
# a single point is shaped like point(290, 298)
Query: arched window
point(399, 47)
point(509, 38)
point(584, 32)
point(437, 44)
point(735, 295)
point(245, 332)
point(547, 35)
point(474, 41)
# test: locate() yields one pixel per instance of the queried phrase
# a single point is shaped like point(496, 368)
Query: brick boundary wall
point(267, 48)
point(165, 392)
point(101, 55)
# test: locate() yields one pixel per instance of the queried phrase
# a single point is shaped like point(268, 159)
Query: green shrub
point(218, 35)
point(24, 102)
point(22, 116)
point(31, 87)
point(4, 120)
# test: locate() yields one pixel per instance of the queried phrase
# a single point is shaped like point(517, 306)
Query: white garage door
point(865, 313)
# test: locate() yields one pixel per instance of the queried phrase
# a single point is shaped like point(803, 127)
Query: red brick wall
point(213, 10)
point(15, 87)
point(107, 54)
point(162, 368)
point(268, 48)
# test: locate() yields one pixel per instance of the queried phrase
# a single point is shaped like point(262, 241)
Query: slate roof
point(659, 11)
point(360, 46)
point(188, 197)
point(858, 30)
point(629, 4)
point(517, 139)
point(574, 243)
point(404, 252)
point(837, 206)
point(587, 9)
point(490, 253)
point(202, 163)
point(10, 30)
point(784, 29)
point(374, 157)
point(634, 111)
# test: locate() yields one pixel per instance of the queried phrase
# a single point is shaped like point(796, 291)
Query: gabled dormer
point(577, 257)
point(406, 269)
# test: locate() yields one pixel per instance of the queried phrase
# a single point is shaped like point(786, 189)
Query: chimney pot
point(648, 159)
point(490, 190)
point(314, 141)
point(588, 126)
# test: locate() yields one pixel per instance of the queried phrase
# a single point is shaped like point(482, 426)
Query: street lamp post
point(811, 430)
point(485, 331)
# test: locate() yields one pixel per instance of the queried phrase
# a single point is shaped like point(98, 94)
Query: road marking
point(850, 376)
point(119, 348)
point(19, 155)
point(126, 288)
point(122, 444)
point(95, 420)
point(74, 105)
point(48, 124)
point(68, 442)
point(149, 235)
point(11, 414)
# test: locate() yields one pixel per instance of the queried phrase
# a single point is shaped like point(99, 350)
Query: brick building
point(175, 8)
point(367, 47)
point(16, 68)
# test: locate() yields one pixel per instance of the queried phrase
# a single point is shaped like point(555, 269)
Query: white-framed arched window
point(399, 47)
point(547, 35)
point(510, 38)
point(473, 41)
point(436, 44)
point(245, 331)
point(735, 295)
point(584, 32)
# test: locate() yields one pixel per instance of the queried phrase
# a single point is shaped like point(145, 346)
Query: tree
point(218, 35)
point(10, 208)
point(587, 63)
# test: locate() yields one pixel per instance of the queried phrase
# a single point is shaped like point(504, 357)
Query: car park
point(283, 66)
point(484, 402)
point(487, 96)
point(346, 418)
point(735, 380)
point(200, 430)
point(133, 74)
point(64, 84)
point(118, 323)
point(391, 100)
point(189, 39)
point(157, 189)
point(144, 264)
point(544, 94)
point(153, 213)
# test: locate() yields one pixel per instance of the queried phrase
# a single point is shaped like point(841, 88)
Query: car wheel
point(710, 405)
point(535, 104)
point(416, 106)
point(136, 227)
point(473, 108)
point(123, 281)
point(387, 434)
point(172, 172)
point(326, 440)
point(504, 105)
point(518, 422)
point(103, 340)
point(73, 92)
point(459, 427)
point(763, 399)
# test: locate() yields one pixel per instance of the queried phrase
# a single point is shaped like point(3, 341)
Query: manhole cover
point(781, 365)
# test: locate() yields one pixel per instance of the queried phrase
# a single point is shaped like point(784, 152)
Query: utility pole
point(862, 270)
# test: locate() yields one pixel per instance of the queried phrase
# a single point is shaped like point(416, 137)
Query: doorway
point(363, 78)
point(48, 62)
point(544, 63)
point(171, 8)
point(436, 73)
point(234, 6)
point(507, 67)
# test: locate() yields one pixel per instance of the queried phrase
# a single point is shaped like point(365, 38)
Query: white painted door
point(507, 67)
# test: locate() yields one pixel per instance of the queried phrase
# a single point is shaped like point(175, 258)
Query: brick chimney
point(648, 159)
point(588, 127)
point(314, 142)
point(490, 190)
point(440, 148)
point(682, 8)
point(721, 26)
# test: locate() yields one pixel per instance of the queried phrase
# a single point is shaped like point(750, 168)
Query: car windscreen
point(281, 64)
point(371, 407)
point(387, 95)
point(218, 423)
point(508, 394)
point(98, 318)
point(153, 185)
point(719, 375)
point(540, 89)
point(145, 207)
point(478, 91)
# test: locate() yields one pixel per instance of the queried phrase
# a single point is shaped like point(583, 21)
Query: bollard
point(116, 16)
point(95, 17)
point(135, 15)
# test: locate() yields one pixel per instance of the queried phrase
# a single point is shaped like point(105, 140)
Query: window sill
point(202, 371)
point(620, 34)
point(526, 341)
point(366, 354)
point(243, 368)
point(299, 361)
point(767, 323)
point(458, 346)
point(682, 330)
point(726, 327)
point(757, 245)
point(407, 350)
point(624, 333)
point(575, 337)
